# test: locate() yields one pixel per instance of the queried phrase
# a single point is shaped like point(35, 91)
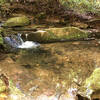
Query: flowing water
point(51, 69)
point(15, 41)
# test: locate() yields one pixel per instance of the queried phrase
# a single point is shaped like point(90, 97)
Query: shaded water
point(52, 68)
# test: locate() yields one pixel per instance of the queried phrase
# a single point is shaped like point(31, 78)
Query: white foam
point(29, 44)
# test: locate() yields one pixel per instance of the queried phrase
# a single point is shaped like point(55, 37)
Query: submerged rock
point(10, 92)
point(16, 21)
point(58, 34)
point(17, 94)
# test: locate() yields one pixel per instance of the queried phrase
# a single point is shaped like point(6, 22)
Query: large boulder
point(16, 21)
point(93, 82)
point(91, 87)
point(58, 34)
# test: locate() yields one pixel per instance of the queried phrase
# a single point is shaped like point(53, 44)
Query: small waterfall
point(16, 41)
point(20, 39)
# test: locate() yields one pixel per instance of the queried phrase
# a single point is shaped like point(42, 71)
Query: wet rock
point(58, 34)
point(81, 97)
point(95, 23)
point(95, 95)
point(24, 29)
point(71, 94)
point(80, 25)
point(16, 21)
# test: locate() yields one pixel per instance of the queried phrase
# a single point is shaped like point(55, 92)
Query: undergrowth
point(82, 5)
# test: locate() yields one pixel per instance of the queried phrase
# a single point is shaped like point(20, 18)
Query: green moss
point(40, 16)
point(58, 34)
point(66, 33)
point(2, 86)
point(2, 1)
point(82, 5)
point(94, 80)
point(51, 35)
point(13, 89)
point(1, 30)
point(17, 21)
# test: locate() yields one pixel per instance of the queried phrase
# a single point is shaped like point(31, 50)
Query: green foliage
point(17, 21)
point(1, 39)
point(2, 1)
point(82, 5)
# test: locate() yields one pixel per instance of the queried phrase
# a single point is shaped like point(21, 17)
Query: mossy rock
point(17, 21)
point(67, 33)
point(59, 34)
point(93, 82)
point(91, 86)
point(3, 86)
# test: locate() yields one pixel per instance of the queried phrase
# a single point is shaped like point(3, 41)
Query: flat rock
point(58, 34)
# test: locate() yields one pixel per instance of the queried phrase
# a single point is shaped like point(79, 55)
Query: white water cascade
point(16, 41)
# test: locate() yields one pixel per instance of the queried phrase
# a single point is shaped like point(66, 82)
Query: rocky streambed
point(52, 71)
point(56, 71)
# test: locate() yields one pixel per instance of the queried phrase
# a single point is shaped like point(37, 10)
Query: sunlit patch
point(14, 97)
